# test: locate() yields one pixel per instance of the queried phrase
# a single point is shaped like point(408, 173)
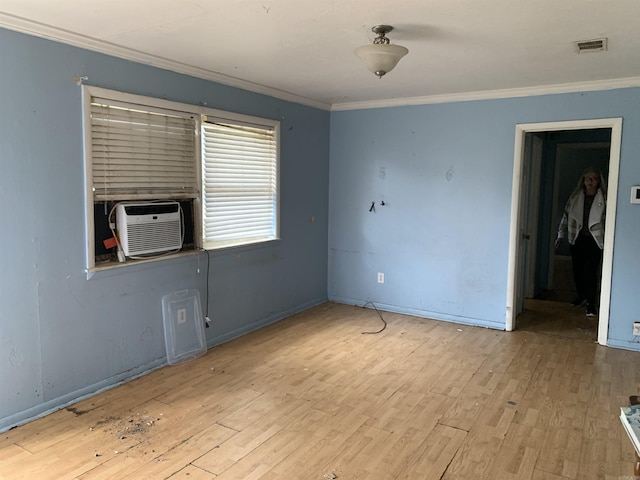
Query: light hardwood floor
point(310, 397)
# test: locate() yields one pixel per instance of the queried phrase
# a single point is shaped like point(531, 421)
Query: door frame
point(615, 124)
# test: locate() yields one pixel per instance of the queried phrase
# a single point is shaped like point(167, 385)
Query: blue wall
point(442, 237)
point(445, 174)
point(63, 336)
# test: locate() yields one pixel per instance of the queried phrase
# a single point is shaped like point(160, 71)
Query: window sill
point(212, 247)
point(115, 268)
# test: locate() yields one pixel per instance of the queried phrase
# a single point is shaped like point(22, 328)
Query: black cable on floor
point(380, 315)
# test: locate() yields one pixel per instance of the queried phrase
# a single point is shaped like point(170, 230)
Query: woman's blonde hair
point(602, 184)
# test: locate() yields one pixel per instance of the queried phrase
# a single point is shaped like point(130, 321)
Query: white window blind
point(240, 183)
point(138, 154)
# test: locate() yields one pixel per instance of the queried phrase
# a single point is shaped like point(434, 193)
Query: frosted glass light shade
point(380, 59)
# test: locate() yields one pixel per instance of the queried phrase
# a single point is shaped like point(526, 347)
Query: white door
point(535, 168)
point(523, 225)
point(528, 216)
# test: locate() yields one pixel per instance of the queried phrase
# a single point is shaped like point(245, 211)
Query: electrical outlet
point(182, 316)
point(636, 329)
point(380, 277)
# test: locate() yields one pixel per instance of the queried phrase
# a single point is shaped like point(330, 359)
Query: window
point(220, 168)
point(240, 182)
point(141, 154)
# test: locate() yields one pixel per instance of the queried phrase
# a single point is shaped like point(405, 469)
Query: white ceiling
point(302, 50)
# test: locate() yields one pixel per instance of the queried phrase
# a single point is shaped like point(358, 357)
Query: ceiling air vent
point(597, 45)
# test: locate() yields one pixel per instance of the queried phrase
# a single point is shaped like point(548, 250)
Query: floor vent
point(596, 45)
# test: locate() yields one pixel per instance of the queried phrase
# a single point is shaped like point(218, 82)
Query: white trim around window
point(226, 165)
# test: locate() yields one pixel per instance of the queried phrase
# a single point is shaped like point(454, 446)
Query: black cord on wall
point(206, 303)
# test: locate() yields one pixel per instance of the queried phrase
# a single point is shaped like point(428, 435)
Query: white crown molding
point(595, 85)
point(42, 30)
point(37, 29)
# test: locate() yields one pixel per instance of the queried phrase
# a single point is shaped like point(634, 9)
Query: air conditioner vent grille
point(154, 237)
point(595, 45)
point(149, 228)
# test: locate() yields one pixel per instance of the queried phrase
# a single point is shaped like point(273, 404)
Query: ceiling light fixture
point(381, 57)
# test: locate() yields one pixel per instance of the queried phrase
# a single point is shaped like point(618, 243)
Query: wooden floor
point(558, 319)
point(311, 397)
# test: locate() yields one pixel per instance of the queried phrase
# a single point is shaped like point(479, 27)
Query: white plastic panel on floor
point(183, 326)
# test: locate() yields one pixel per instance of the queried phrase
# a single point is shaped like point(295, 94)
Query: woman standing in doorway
point(583, 226)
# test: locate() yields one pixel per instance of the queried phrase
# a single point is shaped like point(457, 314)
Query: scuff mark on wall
point(146, 335)
point(15, 357)
point(72, 294)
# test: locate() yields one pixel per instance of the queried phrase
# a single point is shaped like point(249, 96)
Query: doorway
point(548, 160)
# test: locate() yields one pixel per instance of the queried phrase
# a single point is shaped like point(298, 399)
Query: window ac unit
point(148, 228)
